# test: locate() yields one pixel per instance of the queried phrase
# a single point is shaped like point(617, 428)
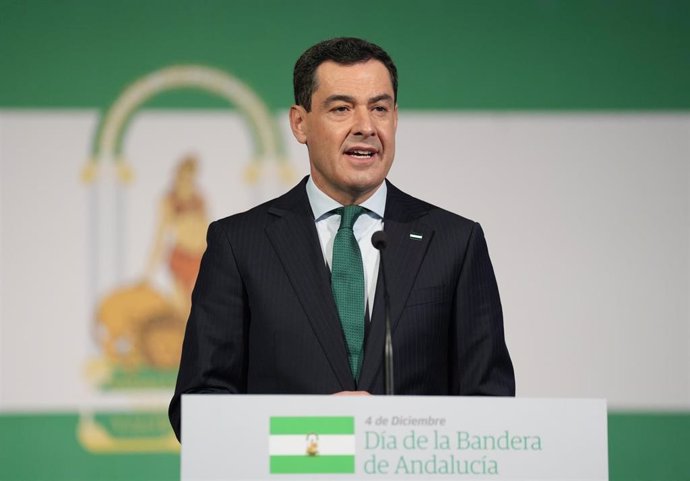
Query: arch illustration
point(109, 139)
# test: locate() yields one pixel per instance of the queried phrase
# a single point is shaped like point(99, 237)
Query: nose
point(363, 123)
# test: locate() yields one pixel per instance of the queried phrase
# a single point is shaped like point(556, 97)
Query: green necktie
point(347, 283)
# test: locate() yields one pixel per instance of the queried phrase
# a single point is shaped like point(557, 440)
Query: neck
point(346, 197)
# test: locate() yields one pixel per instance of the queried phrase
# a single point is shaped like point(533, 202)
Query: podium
point(250, 438)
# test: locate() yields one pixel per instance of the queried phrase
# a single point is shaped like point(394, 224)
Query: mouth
point(362, 153)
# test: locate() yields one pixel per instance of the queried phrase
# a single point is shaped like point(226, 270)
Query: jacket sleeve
point(214, 350)
point(480, 363)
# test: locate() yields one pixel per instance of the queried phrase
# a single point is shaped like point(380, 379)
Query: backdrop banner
point(126, 127)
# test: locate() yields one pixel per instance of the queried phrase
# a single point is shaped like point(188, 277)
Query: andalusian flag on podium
point(321, 444)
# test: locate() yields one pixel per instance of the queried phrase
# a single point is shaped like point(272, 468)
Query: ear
point(298, 123)
point(395, 116)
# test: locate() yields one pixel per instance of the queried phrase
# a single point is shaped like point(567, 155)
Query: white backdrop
point(587, 217)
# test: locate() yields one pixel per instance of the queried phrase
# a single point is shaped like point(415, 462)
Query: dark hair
point(345, 51)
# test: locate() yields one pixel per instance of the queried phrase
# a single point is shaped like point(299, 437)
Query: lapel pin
point(415, 236)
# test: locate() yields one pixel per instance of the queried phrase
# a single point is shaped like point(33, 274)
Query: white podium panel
point(243, 438)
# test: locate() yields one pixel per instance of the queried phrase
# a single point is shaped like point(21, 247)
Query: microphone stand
point(380, 241)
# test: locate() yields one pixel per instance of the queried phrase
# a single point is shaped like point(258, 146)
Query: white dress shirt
point(370, 221)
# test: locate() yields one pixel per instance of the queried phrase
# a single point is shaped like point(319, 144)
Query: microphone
point(380, 241)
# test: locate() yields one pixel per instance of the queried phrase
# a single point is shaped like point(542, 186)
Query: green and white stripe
point(290, 436)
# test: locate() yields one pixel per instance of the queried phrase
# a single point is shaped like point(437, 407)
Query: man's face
point(350, 130)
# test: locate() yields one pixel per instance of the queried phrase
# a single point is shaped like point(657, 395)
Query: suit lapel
point(408, 240)
point(295, 240)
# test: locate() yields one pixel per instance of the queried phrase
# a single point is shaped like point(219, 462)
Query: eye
point(380, 108)
point(340, 108)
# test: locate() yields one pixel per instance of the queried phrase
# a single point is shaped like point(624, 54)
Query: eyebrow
point(380, 98)
point(350, 99)
point(339, 98)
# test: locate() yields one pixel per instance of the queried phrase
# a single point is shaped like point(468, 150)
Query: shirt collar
point(321, 204)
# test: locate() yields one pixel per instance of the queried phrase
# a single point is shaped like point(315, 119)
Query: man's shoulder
point(258, 216)
point(405, 207)
point(250, 216)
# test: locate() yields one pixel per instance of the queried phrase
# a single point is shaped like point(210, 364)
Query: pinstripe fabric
point(264, 321)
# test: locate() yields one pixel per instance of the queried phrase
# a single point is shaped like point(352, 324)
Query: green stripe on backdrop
point(45, 448)
point(642, 447)
point(649, 447)
point(452, 54)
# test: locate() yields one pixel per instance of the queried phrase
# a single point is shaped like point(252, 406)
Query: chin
point(365, 185)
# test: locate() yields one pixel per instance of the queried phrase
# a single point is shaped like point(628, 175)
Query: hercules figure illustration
point(182, 226)
point(140, 328)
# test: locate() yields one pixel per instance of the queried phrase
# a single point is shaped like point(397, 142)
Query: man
point(278, 306)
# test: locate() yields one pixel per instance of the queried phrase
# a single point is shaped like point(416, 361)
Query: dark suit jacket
point(263, 319)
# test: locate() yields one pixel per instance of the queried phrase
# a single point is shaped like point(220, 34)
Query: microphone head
point(379, 240)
